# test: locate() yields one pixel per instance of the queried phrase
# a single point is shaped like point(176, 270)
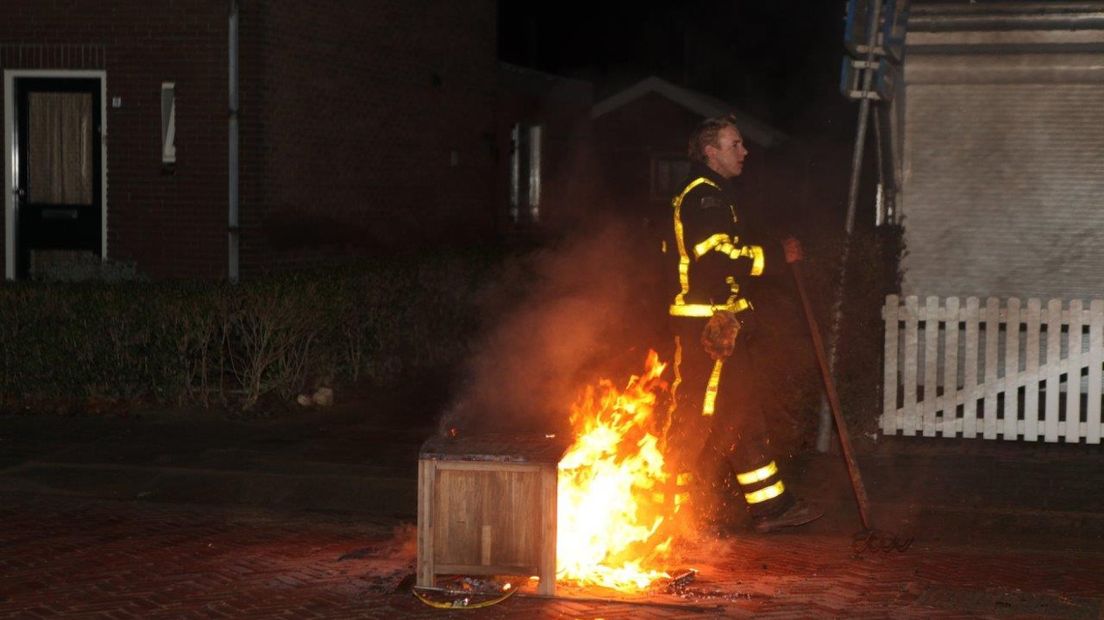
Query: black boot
point(799, 512)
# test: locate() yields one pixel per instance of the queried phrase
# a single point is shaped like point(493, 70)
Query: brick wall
point(373, 125)
point(364, 126)
point(569, 175)
point(171, 222)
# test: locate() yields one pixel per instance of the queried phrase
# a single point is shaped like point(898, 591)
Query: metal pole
point(824, 432)
point(879, 200)
point(233, 270)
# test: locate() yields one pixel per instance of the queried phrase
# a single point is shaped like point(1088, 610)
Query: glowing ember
point(612, 504)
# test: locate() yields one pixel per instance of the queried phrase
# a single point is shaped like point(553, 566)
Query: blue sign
point(889, 47)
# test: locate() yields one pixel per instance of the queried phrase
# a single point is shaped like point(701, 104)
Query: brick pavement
point(94, 558)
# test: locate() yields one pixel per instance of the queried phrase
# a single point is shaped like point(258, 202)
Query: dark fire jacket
point(709, 261)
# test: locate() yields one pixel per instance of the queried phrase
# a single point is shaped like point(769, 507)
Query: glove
point(719, 336)
point(792, 248)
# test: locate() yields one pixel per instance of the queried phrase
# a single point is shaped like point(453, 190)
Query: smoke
point(560, 318)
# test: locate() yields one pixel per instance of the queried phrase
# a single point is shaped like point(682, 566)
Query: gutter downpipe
point(233, 228)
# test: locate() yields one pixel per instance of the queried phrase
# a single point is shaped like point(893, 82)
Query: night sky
point(776, 59)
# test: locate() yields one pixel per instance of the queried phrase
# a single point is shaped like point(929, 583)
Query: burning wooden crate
point(487, 506)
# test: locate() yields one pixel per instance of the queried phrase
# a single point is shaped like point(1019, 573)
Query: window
point(668, 171)
point(168, 122)
point(525, 173)
point(61, 163)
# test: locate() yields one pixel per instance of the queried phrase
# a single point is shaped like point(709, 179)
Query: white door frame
point(11, 148)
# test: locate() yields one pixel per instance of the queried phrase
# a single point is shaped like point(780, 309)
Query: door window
point(59, 141)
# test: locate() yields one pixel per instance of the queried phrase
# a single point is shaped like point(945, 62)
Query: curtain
point(60, 148)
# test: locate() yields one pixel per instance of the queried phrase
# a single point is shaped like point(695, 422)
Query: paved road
point(94, 558)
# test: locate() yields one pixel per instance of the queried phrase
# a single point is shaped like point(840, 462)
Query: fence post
point(992, 342)
point(931, 353)
point(1053, 375)
point(1096, 343)
point(1011, 370)
point(1073, 375)
point(969, 407)
point(950, 368)
point(912, 323)
point(1031, 357)
point(889, 377)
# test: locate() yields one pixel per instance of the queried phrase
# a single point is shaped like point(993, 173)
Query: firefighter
point(717, 407)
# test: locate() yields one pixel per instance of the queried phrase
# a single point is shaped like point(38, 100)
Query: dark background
point(777, 60)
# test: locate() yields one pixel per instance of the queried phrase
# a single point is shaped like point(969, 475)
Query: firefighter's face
point(727, 157)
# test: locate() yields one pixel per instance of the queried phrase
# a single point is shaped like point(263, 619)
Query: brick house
point(640, 136)
point(222, 138)
point(546, 141)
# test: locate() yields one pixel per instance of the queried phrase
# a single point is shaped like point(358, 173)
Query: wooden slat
point(1031, 370)
point(931, 353)
point(969, 409)
point(490, 466)
point(1073, 382)
point(1054, 351)
point(992, 343)
point(950, 368)
point(1096, 357)
point(426, 484)
point(486, 540)
point(978, 392)
point(547, 556)
point(1011, 369)
point(908, 411)
point(889, 377)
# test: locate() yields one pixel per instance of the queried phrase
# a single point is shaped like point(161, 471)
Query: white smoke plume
point(586, 309)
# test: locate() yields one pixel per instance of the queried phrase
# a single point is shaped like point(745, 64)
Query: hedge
point(216, 344)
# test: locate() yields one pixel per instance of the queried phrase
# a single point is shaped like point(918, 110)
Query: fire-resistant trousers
point(736, 432)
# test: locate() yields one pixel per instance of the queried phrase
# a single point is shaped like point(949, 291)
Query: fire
point(612, 503)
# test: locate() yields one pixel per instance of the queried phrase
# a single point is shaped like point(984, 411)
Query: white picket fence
point(1002, 369)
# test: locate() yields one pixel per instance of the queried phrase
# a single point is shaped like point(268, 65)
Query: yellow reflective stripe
point(758, 260)
point(765, 493)
point(718, 240)
point(707, 310)
point(684, 279)
point(733, 286)
point(684, 258)
point(684, 478)
point(758, 475)
point(754, 252)
point(725, 245)
point(690, 310)
point(696, 182)
point(711, 389)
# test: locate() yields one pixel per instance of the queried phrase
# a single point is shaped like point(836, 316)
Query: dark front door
point(58, 196)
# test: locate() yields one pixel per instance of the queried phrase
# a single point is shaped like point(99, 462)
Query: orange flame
point(611, 501)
